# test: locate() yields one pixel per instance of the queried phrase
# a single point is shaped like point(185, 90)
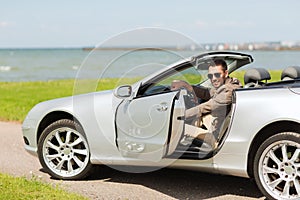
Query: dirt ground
point(107, 183)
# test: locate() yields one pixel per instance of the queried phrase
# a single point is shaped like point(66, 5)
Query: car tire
point(63, 150)
point(277, 166)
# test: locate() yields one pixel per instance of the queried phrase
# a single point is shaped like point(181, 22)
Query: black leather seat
point(254, 77)
point(290, 73)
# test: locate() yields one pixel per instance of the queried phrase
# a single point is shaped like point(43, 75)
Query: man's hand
point(177, 84)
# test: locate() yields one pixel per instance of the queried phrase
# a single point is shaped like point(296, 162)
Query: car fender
point(254, 109)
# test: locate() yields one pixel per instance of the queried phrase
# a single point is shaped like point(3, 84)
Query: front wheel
point(63, 150)
point(277, 166)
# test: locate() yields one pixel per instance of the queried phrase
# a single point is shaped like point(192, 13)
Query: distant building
point(252, 46)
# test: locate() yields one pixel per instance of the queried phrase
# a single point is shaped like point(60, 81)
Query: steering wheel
point(190, 99)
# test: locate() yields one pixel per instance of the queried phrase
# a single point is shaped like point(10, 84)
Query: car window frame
point(160, 77)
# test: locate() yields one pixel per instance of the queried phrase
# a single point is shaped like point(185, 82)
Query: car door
point(146, 125)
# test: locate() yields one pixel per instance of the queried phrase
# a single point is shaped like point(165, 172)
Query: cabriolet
point(143, 124)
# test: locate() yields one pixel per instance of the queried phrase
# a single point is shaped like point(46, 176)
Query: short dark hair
point(219, 62)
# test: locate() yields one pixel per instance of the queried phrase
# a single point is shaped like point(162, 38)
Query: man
point(218, 103)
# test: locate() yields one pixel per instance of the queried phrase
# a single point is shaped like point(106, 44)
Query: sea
point(70, 63)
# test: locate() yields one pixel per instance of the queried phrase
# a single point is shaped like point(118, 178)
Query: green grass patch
point(17, 98)
point(22, 188)
point(275, 75)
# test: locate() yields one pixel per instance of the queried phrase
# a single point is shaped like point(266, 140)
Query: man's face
point(217, 76)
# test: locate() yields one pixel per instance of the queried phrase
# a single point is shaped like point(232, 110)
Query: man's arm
point(178, 84)
point(221, 99)
point(202, 92)
point(202, 109)
point(199, 91)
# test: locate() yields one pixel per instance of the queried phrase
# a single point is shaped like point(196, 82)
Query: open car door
point(150, 127)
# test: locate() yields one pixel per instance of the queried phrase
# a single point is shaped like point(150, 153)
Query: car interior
point(204, 150)
point(290, 73)
point(258, 77)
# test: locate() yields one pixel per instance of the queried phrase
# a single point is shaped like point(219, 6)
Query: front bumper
point(29, 136)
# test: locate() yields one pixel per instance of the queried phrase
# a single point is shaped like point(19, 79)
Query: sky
point(75, 23)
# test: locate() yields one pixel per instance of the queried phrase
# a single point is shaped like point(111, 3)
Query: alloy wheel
point(279, 169)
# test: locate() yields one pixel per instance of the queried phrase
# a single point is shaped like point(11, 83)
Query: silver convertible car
point(143, 124)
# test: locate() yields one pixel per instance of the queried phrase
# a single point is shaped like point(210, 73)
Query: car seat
point(255, 77)
point(290, 73)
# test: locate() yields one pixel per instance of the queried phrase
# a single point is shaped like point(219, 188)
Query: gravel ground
point(107, 183)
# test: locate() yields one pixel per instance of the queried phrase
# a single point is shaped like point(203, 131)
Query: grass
point(17, 98)
point(22, 188)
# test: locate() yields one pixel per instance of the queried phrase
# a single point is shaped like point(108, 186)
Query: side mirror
point(123, 91)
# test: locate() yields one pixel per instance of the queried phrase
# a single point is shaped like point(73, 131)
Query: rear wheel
point(277, 166)
point(63, 150)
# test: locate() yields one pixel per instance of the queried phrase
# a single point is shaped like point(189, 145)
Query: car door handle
point(162, 107)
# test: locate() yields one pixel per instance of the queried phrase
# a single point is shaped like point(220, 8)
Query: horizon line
point(154, 46)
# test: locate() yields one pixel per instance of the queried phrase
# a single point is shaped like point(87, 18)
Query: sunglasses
point(217, 75)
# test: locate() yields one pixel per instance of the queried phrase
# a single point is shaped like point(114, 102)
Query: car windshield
point(187, 72)
point(194, 73)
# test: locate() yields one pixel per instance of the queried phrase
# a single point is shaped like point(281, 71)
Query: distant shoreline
point(149, 49)
point(185, 49)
